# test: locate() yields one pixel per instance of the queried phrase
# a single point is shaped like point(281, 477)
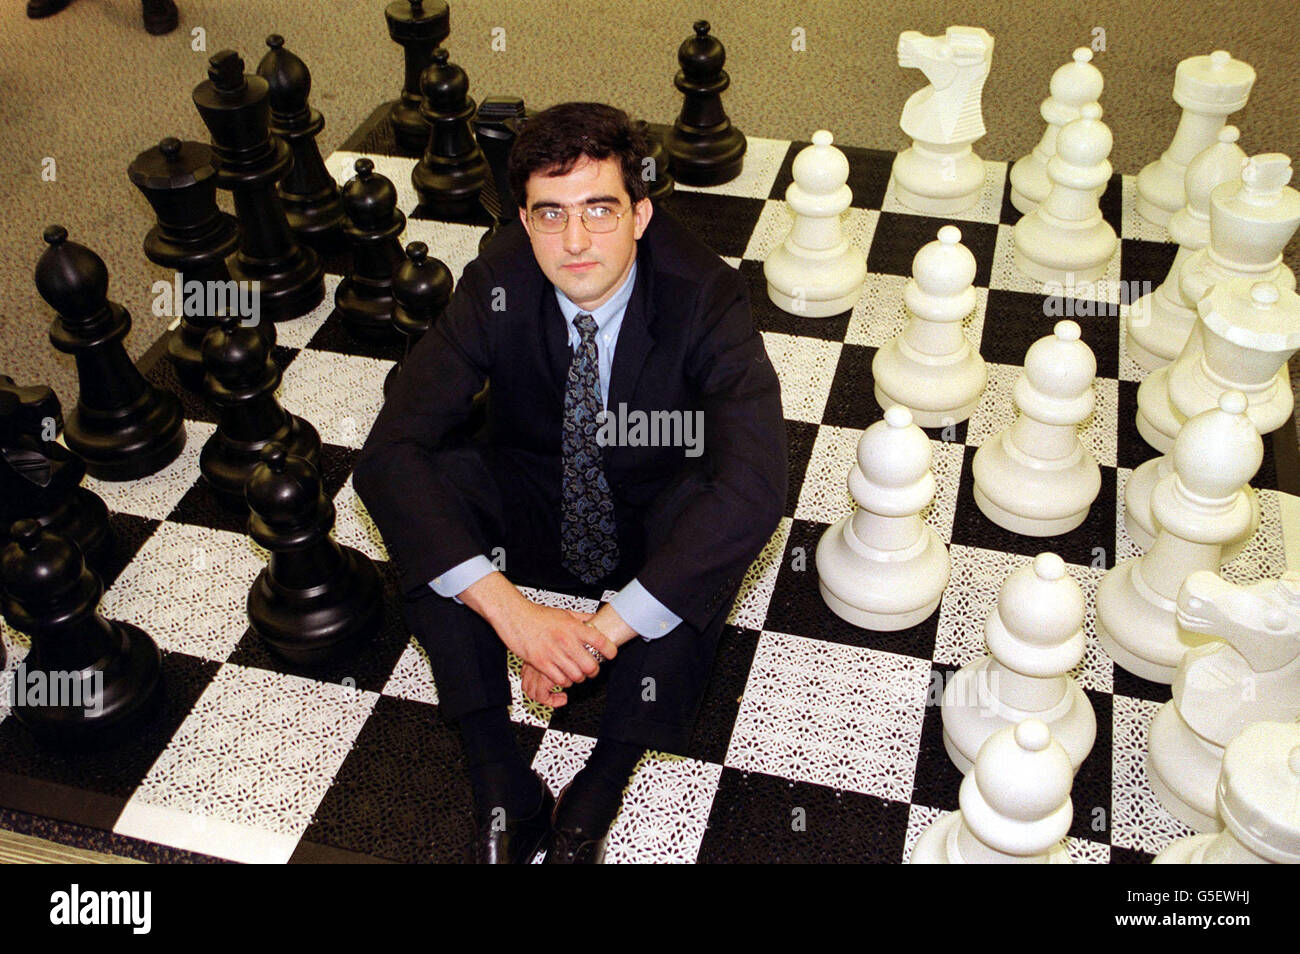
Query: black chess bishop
point(419, 27)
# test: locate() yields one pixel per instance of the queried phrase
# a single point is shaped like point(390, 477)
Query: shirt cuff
point(645, 614)
point(461, 576)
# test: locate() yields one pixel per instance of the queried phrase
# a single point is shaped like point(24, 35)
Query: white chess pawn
point(1250, 672)
point(1248, 332)
point(882, 567)
point(1036, 477)
point(940, 174)
point(1257, 795)
point(1073, 86)
point(1209, 88)
point(1159, 322)
point(1198, 508)
point(1035, 637)
point(1065, 240)
point(1015, 804)
point(930, 368)
point(816, 271)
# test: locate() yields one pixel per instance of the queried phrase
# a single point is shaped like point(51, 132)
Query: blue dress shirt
point(633, 603)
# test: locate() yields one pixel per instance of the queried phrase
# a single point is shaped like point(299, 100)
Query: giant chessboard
point(817, 740)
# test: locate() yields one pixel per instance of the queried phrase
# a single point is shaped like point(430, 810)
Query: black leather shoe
point(573, 846)
point(160, 16)
point(44, 8)
point(518, 840)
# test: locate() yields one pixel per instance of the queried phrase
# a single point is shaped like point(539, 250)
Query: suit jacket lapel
point(634, 337)
point(555, 336)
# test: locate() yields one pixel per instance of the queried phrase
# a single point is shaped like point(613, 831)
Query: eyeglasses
point(595, 218)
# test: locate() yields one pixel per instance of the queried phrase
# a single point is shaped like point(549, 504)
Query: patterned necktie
point(587, 531)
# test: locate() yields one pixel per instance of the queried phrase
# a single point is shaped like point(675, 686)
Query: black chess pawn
point(704, 149)
point(421, 289)
point(656, 164)
point(451, 172)
point(309, 193)
point(192, 238)
point(419, 27)
point(87, 679)
point(40, 479)
point(241, 381)
point(315, 598)
point(364, 298)
point(122, 426)
point(497, 125)
point(235, 107)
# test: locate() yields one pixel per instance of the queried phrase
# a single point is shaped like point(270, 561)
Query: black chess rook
point(497, 125)
point(704, 149)
point(419, 27)
point(241, 381)
point(122, 426)
point(87, 680)
point(309, 193)
point(450, 174)
point(315, 600)
point(364, 298)
point(236, 109)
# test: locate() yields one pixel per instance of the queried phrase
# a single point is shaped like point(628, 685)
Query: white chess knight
point(1072, 87)
point(1248, 330)
point(1249, 673)
point(1035, 637)
point(1257, 794)
point(1065, 240)
point(1209, 88)
point(882, 567)
point(930, 368)
point(1158, 323)
point(1198, 507)
point(1036, 477)
point(940, 173)
point(816, 271)
point(1015, 804)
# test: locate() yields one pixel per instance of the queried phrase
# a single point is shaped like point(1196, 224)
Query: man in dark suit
point(634, 441)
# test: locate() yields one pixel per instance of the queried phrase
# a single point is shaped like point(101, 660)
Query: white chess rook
point(1159, 322)
point(1249, 673)
point(1257, 794)
point(1208, 88)
point(1073, 86)
point(940, 174)
point(816, 271)
point(882, 567)
point(930, 368)
point(1035, 637)
point(1036, 477)
point(1065, 240)
point(1199, 507)
point(1248, 332)
point(1015, 804)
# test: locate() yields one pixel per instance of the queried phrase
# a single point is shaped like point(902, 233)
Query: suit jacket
point(687, 343)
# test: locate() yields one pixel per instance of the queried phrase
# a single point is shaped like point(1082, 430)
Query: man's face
point(589, 267)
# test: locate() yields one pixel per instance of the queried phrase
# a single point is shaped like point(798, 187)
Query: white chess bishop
point(1015, 804)
point(940, 174)
point(1065, 240)
point(1257, 795)
point(882, 567)
point(1248, 331)
point(930, 368)
point(1035, 637)
point(1249, 673)
point(1073, 86)
point(1158, 323)
point(1208, 88)
point(1036, 477)
point(816, 271)
point(1198, 507)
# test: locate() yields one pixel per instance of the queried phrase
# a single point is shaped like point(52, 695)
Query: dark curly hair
point(552, 142)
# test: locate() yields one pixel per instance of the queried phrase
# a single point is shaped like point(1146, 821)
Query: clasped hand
point(552, 644)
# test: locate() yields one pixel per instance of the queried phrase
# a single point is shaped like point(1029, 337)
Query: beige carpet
point(91, 89)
